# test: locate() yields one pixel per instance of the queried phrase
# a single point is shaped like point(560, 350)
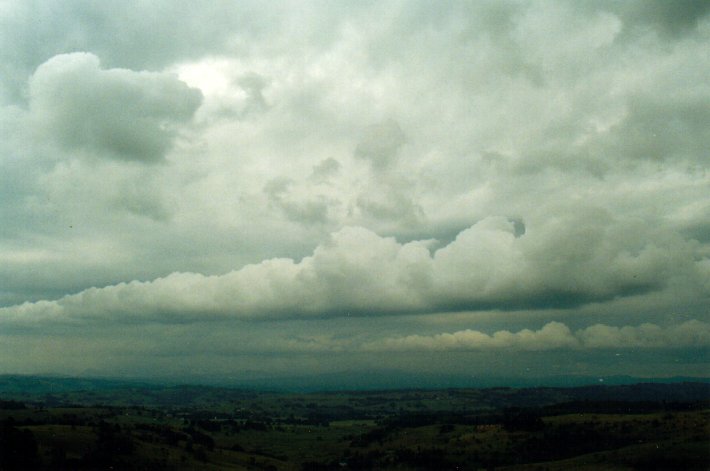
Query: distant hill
point(486, 395)
point(51, 423)
point(390, 379)
point(11, 384)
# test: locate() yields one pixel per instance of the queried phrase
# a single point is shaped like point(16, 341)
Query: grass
point(395, 430)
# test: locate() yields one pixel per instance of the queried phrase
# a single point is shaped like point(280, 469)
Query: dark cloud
point(134, 35)
point(672, 18)
point(253, 84)
point(391, 204)
point(699, 231)
point(138, 198)
point(380, 144)
point(313, 210)
point(663, 128)
point(556, 151)
point(112, 113)
point(325, 169)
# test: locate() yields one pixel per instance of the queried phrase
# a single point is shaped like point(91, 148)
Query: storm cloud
point(467, 176)
point(114, 113)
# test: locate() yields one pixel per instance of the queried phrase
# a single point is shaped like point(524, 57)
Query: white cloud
point(568, 262)
point(552, 336)
point(555, 336)
point(688, 334)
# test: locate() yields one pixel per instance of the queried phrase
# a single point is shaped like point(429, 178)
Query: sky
point(230, 189)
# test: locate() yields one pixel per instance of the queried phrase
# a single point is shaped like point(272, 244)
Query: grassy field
point(501, 428)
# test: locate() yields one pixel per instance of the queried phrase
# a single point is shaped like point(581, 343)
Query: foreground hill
point(86, 424)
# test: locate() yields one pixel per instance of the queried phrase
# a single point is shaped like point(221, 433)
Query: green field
point(184, 428)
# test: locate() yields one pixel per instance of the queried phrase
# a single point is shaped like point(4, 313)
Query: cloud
point(688, 334)
point(135, 34)
point(380, 143)
point(391, 205)
point(555, 336)
point(324, 170)
point(114, 113)
point(663, 128)
point(253, 85)
point(556, 151)
point(552, 336)
point(668, 18)
point(565, 262)
point(309, 210)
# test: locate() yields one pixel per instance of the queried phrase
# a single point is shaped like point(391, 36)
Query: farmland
point(134, 426)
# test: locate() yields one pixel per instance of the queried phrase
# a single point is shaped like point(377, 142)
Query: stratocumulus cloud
point(556, 336)
point(357, 272)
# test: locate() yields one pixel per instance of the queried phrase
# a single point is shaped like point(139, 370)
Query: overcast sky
point(225, 188)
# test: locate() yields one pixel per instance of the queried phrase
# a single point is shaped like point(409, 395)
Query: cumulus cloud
point(489, 265)
point(556, 151)
point(114, 113)
point(135, 34)
point(554, 336)
point(688, 334)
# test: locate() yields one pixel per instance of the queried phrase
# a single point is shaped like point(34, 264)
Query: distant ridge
point(46, 384)
point(11, 384)
point(383, 380)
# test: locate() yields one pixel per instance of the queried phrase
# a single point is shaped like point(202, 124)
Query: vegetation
point(645, 426)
